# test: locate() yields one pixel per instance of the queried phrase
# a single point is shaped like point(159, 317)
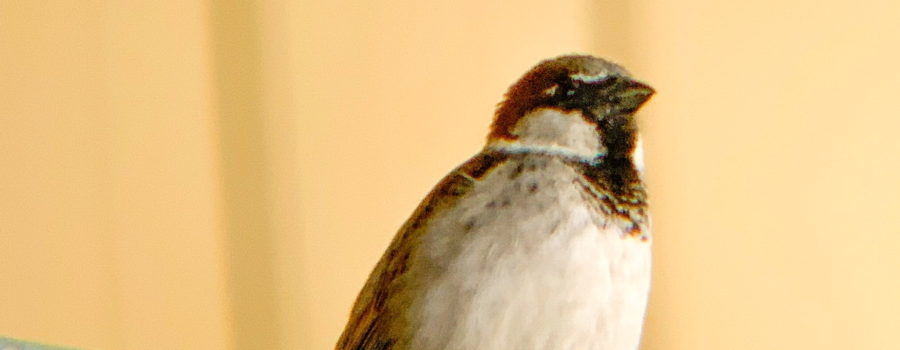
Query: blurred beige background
point(223, 175)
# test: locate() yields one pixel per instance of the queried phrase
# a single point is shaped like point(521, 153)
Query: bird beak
point(632, 94)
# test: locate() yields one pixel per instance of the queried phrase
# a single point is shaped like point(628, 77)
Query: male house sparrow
point(540, 241)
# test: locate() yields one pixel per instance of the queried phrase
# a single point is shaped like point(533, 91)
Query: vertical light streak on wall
point(610, 25)
point(162, 179)
point(108, 218)
point(247, 187)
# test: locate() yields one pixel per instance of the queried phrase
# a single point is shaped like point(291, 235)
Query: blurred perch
point(12, 344)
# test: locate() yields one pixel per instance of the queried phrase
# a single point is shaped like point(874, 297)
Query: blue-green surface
point(13, 344)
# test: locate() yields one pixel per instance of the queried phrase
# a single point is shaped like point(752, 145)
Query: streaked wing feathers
point(374, 321)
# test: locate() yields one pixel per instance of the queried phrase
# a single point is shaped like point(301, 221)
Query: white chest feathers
point(524, 262)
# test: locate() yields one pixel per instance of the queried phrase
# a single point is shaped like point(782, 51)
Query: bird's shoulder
point(373, 325)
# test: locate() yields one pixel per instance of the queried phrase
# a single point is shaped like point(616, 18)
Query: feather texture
point(547, 251)
point(540, 241)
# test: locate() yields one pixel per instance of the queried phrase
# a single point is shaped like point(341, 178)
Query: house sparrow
point(539, 241)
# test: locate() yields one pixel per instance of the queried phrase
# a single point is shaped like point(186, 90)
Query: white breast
point(524, 262)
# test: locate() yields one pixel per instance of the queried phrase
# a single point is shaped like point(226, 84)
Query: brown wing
point(377, 321)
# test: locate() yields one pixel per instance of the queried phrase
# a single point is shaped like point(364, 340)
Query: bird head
point(582, 105)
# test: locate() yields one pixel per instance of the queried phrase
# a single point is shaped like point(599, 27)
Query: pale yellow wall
point(775, 158)
point(109, 232)
point(224, 174)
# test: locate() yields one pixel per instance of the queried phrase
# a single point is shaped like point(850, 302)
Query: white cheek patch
point(637, 155)
point(589, 78)
point(553, 131)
